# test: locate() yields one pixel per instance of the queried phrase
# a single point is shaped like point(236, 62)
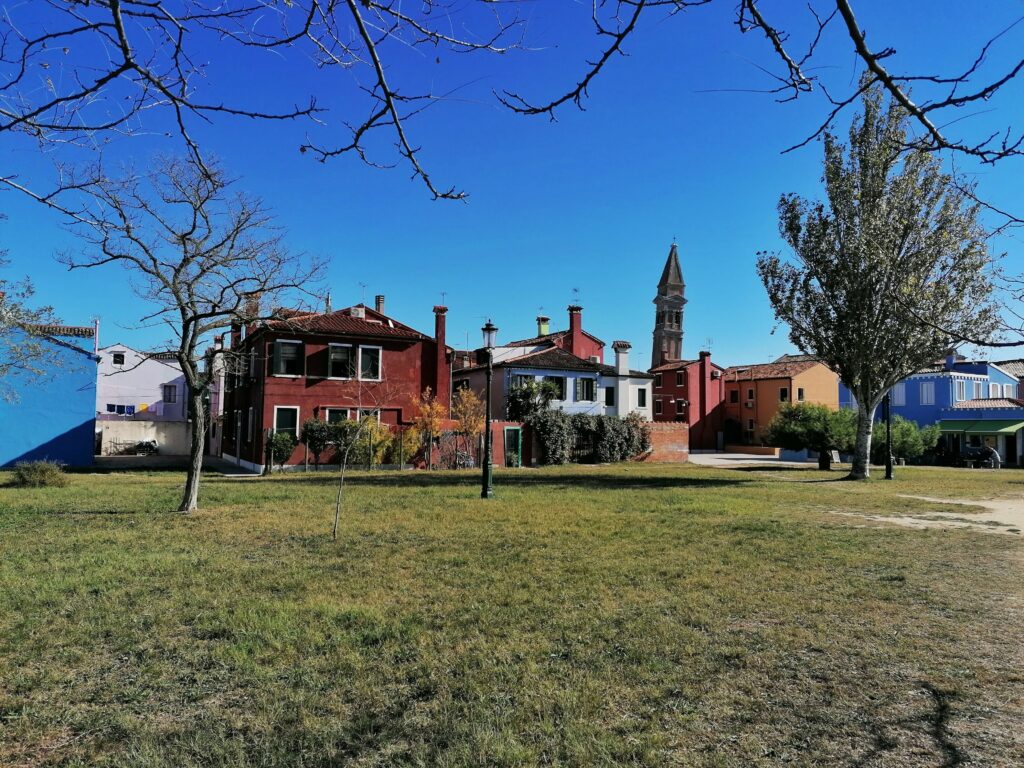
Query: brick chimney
point(621, 357)
point(575, 329)
point(543, 325)
point(378, 304)
point(442, 366)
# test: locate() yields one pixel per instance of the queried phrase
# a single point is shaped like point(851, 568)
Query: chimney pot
point(378, 303)
point(543, 325)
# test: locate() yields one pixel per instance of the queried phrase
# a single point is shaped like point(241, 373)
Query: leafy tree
point(372, 442)
point(814, 427)
point(428, 421)
point(404, 445)
point(526, 400)
point(909, 441)
point(279, 447)
point(886, 269)
point(316, 436)
point(468, 410)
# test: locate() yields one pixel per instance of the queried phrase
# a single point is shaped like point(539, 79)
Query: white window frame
point(680, 379)
point(1008, 390)
point(657, 406)
point(641, 394)
point(298, 417)
point(364, 412)
point(380, 363)
point(340, 378)
point(961, 390)
point(326, 411)
point(927, 393)
point(302, 346)
point(680, 407)
point(657, 380)
point(993, 389)
point(580, 385)
point(898, 394)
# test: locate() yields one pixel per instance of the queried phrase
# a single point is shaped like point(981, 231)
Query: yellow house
point(754, 393)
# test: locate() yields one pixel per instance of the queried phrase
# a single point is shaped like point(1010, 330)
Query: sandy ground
point(1004, 516)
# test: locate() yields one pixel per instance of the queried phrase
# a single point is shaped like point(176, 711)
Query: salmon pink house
point(330, 366)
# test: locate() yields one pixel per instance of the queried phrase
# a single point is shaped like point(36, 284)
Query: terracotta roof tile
point(776, 370)
point(342, 322)
point(989, 402)
point(79, 331)
point(1012, 367)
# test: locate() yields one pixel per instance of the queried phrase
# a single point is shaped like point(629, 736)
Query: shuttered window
point(288, 358)
point(586, 390)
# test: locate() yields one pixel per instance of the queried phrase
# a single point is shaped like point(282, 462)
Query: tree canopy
point(887, 268)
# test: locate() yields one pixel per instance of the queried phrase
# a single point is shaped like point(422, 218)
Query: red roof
point(783, 370)
point(989, 402)
point(549, 338)
point(343, 322)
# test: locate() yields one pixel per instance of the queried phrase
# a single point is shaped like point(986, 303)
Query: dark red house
point(692, 391)
point(331, 366)
point(574, 340)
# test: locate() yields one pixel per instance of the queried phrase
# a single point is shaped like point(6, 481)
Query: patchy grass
point(627, 615)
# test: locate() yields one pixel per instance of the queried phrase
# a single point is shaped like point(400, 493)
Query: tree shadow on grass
point(514, 479)
point(935, 721)
point(838, 476)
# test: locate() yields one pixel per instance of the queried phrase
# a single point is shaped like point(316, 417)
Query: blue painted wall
point(52, 416)
point(910, 396)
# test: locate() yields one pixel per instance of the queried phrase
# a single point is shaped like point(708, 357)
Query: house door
point(513, 447)
point(1010, 455)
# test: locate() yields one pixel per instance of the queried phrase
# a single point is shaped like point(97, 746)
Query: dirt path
point(1000, 516)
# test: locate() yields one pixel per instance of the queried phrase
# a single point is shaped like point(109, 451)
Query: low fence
point(120, 437)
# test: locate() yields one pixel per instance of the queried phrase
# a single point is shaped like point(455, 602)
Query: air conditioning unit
point(595, 359)
point(716, 374)
point(359, 312)
point(749, 404)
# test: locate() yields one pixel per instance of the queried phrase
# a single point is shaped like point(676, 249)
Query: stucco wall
point(139, 381)
point(172, 437)
point(51, 416)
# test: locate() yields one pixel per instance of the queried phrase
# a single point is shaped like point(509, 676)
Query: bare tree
point(77, 72)
point(202, 256)
point(24, 351)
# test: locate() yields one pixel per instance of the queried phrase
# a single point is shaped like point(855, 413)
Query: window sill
point(286, 375)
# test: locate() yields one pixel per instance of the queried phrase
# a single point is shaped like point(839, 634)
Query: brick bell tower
point(668, 322)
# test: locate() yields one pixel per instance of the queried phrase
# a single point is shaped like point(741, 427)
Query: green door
point(513, 447)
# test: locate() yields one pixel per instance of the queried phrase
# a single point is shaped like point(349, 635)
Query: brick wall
point(670, 442)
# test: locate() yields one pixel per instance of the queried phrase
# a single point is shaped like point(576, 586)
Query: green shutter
point(277, 357)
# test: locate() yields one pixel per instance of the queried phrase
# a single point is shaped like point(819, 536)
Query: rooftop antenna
point(362, 296)
point(708, 342)
point(576, 296)
point(443, 294)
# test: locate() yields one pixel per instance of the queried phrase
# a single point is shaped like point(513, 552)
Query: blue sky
point(666, 148)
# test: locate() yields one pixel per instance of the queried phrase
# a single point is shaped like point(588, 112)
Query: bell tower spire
point(668, 316)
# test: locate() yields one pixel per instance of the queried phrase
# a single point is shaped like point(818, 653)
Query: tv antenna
point(362, 295)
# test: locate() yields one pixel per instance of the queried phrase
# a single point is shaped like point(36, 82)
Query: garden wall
point(670, 442)
point(172, 437)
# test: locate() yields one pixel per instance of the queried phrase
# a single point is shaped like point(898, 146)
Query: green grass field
point(589, 616)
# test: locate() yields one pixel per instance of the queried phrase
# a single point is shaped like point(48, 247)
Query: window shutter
point(276, 353)
point(579, 389)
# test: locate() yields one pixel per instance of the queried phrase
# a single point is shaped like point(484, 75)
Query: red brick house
point(331, 366)
point(575, 340)
point(692, 392)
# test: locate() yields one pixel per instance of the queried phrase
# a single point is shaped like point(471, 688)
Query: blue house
point(997, 422)
point(52, 415)
point(926, 395)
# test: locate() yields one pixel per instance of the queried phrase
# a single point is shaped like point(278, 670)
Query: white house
point(584, 386)
point(139, 386)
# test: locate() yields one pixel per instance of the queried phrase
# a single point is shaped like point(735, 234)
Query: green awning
point(982, 426)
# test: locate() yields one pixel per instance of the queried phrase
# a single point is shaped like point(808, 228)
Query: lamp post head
point(490, 332)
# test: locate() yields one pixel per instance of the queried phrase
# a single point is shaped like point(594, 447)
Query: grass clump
point(39, 474)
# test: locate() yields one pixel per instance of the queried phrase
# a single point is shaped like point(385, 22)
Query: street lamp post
point(887, 411)
point(490, 333)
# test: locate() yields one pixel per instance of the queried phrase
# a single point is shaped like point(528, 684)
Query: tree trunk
point(862, 453)
point(190, 499)
point(825, 460)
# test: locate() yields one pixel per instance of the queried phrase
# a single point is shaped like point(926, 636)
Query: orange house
point(754, 393)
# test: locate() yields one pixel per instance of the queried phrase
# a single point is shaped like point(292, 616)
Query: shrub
point(554, 436)
point(581, 437)
point(316, 436)
point(39, 474)
point(815, 427)
point(908, 440)
point(280, 446)
point(404, 446)
point(372, 443)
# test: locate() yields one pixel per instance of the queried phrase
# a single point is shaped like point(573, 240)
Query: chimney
point(442, 366)
point(218, 341)
point(575, 329)
point(951, 360)
point(327, 304)
point(621, 357)
point(543, 325)
point(378, 304)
